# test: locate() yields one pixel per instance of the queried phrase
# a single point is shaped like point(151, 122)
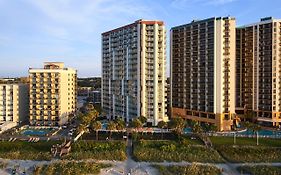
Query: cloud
point(83, 21)
point(79, 12)
point(219, 2)
point(67, 30)
point(188, 3)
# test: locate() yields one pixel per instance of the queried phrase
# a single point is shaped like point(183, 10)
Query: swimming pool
point(261, 133)
point(187, 130)
point(244, 133)
point(36, 132)
point(104, 126)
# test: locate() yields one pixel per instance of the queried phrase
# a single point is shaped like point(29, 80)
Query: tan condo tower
point(52, 94)
point(203, 71)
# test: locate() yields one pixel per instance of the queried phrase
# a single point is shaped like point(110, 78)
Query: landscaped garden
point(69, 168)
point(249, 154)
point(246, 150)
point(193, 169)
point(26, 150)
point(102, 150)
point(260, 170)
point(158, 151)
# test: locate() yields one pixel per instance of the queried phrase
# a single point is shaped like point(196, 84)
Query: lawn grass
point(159, 151)
point(246, 141)
point(26, 150)
point(70, 168)
point(193, 169)
point(103, 150)
point(259, 170)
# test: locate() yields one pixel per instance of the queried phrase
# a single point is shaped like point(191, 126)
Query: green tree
point(249, 116)
point(162, 124)
point(111, 126)
point(88, 117)
point(177, 124)
point(120, 124)
point(256, 128)
point(96, 126)
point(213, 128)
point(247, 125)
point(82, 128)
point(143, 119)
point(136, 123)
point(197, 129)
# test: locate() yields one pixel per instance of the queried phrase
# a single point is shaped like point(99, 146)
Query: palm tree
point(85, 119)
point(120, 124)
point(162, 124)
point(143, 119)
point(82, 129)
point(213, 128)
point(177, 124)
point(111, 126)
point(96, 126)
point(88, 117)
point(197, 129)
point(247, 125)
point(93, 114)
point(136, 123)
point(249, 115)
point(256, 128)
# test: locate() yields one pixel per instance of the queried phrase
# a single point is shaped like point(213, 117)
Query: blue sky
point(34, 31)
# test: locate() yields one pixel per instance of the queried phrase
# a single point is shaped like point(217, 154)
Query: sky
point(35, 31)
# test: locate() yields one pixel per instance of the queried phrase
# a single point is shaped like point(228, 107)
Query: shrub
point(193, 169)
point(250, 154)
point(98, 150)
point(158, 151)
point(69, 168)
point(26, 150)
point(260, 170)
point(168, 148)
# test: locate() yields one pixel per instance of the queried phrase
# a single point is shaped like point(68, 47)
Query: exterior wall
point(259, 75)
point(53, 94)
point(13, 105)
point(203, 71)
point(23, 101)
point(133, 72)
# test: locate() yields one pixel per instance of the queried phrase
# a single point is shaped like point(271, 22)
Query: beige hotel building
point(133, 71)
point(53, 94)
point(13, 102)
point(258, 64)
point(203, 71)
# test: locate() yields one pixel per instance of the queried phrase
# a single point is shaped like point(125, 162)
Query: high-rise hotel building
point(52, 94)
point(258, 71)
point(13, 102)
point(203, 71)
point(133, 71)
